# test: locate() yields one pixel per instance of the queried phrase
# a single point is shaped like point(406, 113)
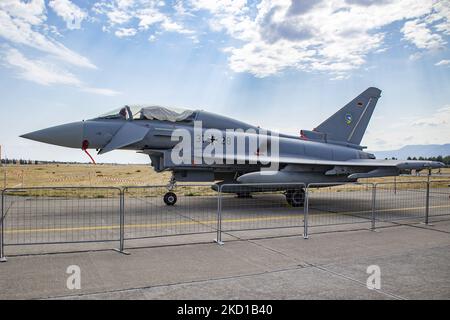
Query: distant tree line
point(445, 160)
point(34, 162)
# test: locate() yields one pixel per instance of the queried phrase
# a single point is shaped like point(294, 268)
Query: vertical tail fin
point(349, 124)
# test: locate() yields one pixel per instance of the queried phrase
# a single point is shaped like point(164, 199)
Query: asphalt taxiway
point(413, 259)
point(172, 255)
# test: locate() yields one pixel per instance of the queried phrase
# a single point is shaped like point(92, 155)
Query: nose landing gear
point(170, 198)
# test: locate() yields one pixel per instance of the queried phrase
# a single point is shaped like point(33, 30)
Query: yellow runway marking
point(387, 210)
point(148, 225)
point(182, 223)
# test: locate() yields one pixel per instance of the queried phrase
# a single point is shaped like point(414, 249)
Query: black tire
point(170, 198)
point(295, 198)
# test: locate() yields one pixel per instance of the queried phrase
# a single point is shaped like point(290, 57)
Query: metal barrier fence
point(402, 201)
point(147, 216)
point(331, 205)
point(61, 215)
point(439, 198)
point(246, 207)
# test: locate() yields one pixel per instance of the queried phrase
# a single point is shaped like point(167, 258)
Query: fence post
point(374, 202)
point(121, 222)
point(306, 213)
point(427, 202)
point(218, 239)
point(395, 185)
point(122, 219)
point(2, 246)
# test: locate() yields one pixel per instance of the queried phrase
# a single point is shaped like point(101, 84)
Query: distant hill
point(426, 151)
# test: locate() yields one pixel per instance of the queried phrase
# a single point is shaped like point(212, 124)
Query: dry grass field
point(79, 175)
point(88, 175)
point(109, 175)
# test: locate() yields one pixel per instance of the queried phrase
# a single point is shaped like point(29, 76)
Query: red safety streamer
point(84, 147)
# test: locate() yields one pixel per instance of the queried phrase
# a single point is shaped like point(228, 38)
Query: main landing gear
point(170, 198)
point(296, 198)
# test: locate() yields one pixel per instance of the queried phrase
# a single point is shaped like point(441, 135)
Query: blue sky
point(281, 64)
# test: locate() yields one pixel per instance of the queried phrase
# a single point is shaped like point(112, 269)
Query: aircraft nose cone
point(66, 135)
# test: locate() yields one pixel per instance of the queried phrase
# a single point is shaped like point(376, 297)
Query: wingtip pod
point(419, 165)
point(436, 165)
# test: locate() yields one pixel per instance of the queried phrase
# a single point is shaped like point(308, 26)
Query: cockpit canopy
point(155, 112)
point(150, 112)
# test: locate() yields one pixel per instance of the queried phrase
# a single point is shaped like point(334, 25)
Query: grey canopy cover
point(165, 114)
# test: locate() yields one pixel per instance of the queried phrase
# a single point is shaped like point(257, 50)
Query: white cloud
point(441, 15)
point(33, 12)
point(171, 26)
point(125, 32)
point(421, 36)
point(100, 91)
point(38, 71)
point(432, 127)
point(20, 23)
point(24, 23)
point(269, 36)
point(230, 16)
point(441, 117)
point(415, 56)
point(149, 17)
point(117, 12)
point(333, 36)
point(180, 9)
point(45, 73)
point(140, 15)
point(69, 12)
point(443, 63)
point(221, 6)
point(266, 37)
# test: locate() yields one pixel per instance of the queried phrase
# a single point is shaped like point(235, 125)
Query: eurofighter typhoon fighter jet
point(200, 146)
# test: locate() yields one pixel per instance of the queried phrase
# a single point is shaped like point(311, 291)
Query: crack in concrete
point(176, 283)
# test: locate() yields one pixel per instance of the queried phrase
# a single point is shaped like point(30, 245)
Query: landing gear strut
point(170, 198)
point(296, 198)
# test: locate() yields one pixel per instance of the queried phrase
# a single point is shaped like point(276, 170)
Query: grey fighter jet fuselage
point(200, 146)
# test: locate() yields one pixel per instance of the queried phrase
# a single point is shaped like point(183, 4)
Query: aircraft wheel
point(170, 198)
point(296, 198)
